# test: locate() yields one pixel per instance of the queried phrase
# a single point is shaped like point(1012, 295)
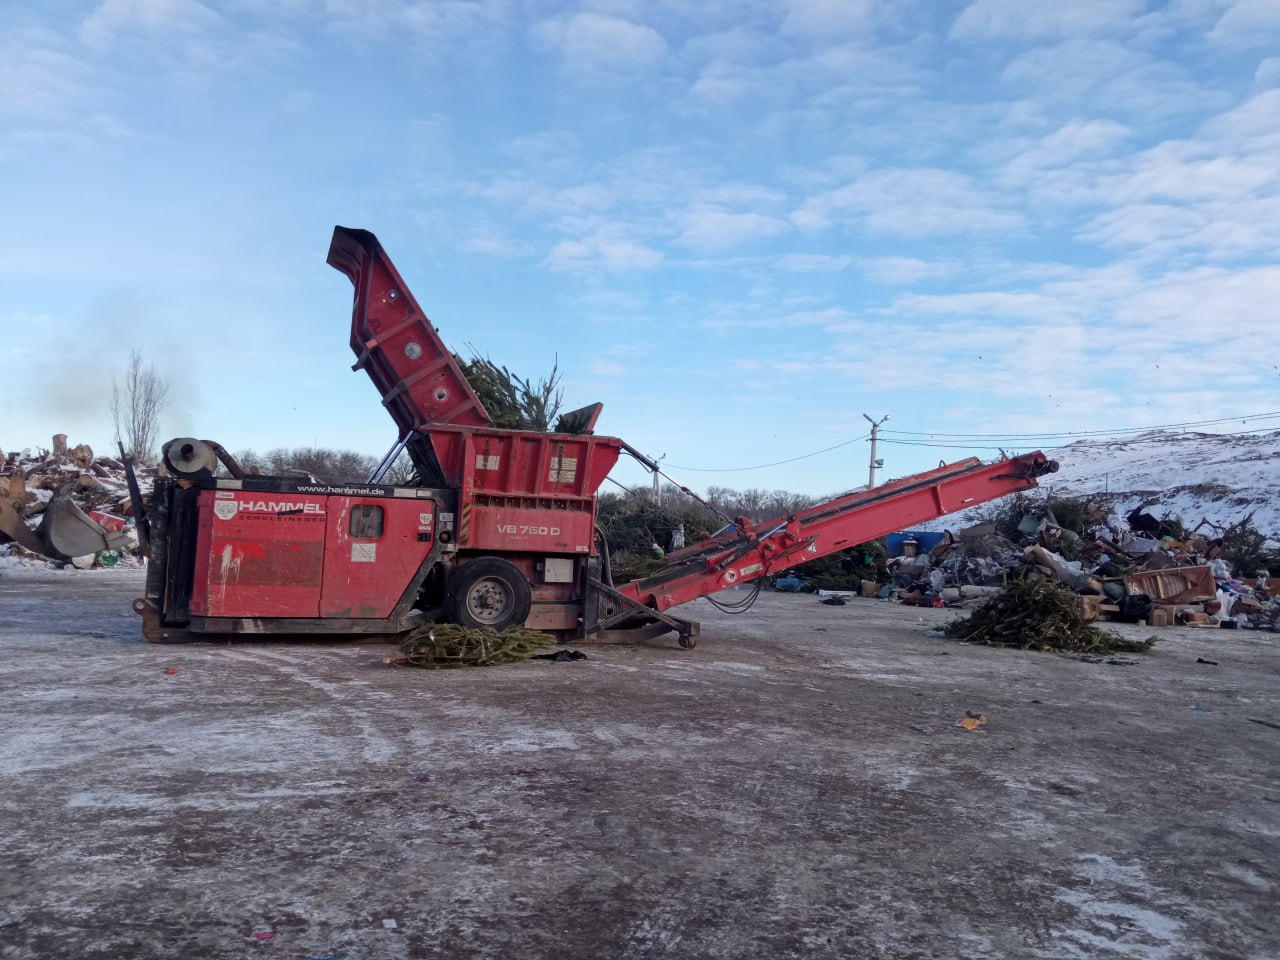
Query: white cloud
point(827, 19)
point(1248, 23)
point(813, 262)
point(1015, 19)
point(528, 197)
point(1180, 172)
point(1032, 307)
point(1110, 77)
point(547, 150)
point(908, 203)
point(742, 195)
point(1215, 194)
point(707, 228)
point(491, 241)
point(39, 76)
point(1253, 125)
point(1093, 341)
point(1216, 232)
point(436, 19)
point(1268, 72)
point(1063, 149)
point(828, 319)
point(112, 18)
point(608, 248)
point(901, 270)
point(594, 41)
point(1207, 312)
point(1207, 308)
point(833, 79)
point(740, 44)
point(442, 18)
point(721, 82)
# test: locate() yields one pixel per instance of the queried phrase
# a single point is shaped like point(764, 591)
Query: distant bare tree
point(755, 504)
point(676, 500)
point(320, 462)
point(401, 472)
point(136, 406)
point(782, 502)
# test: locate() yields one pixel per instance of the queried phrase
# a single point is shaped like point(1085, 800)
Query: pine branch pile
point(1037, 614)
point(444, 646)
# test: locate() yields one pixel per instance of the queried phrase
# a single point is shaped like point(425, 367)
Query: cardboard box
point(1089, 607)
point(1161, 616)
point(869, 588)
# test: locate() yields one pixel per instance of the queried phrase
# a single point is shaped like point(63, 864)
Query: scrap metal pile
point(66, 505)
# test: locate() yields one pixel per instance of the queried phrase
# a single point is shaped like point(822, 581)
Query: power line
point(776, 463)
point(1011, 438)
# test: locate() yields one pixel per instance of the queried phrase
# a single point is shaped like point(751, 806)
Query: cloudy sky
point(741, 225)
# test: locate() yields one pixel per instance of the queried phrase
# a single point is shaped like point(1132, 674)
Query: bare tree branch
point(135, 408)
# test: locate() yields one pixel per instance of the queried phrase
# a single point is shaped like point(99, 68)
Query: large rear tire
point(488, 592)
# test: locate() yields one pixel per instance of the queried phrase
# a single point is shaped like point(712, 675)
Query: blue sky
point(740, 225)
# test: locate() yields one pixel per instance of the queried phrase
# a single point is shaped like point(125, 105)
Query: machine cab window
point(366, 522)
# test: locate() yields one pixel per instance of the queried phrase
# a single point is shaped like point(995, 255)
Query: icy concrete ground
point(794, 787)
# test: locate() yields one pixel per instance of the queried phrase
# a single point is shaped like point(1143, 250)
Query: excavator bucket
point(11, 522)
point(12, 525)
point(73, 533)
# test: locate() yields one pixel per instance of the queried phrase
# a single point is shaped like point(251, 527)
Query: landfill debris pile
point(1035, 614)
point(65, 505)
point(1131, 569)
point(443, 646)
point(1140, 568)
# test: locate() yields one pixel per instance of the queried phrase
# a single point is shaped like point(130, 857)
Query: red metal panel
point(514, 462)
point(258, 554)
point(396, 344)
point(365, 577)
point(498, 529)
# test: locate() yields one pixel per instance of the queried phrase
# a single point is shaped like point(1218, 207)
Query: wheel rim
point(489, 600)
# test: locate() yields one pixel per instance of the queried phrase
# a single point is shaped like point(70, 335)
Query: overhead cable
point(776, 463)
point(935, 439)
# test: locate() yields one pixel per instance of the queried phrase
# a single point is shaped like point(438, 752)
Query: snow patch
point(1191, 476)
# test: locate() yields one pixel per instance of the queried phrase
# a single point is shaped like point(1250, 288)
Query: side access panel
point(375, 547)
point(258, 554)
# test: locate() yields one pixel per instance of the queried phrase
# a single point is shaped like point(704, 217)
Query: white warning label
point(563, 470)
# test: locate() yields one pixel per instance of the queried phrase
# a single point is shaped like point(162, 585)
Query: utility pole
point(657, 490)
point(875, 464)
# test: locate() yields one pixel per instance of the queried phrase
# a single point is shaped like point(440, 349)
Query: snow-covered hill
point(1188, 475)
